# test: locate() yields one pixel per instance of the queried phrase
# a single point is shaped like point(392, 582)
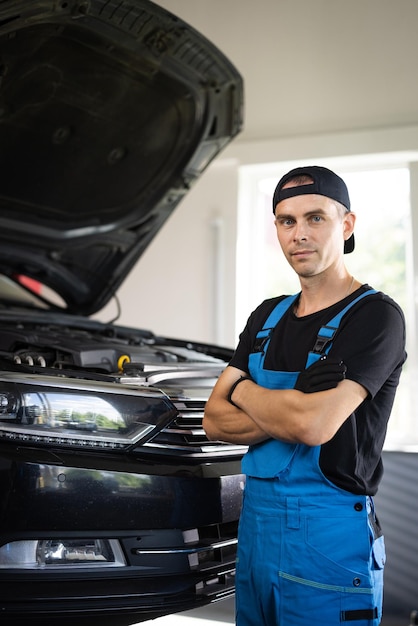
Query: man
point(310, 389)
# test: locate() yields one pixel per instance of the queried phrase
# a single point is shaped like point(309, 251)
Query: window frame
point(250, 285)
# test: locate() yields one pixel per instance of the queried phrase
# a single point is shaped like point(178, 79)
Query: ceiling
point(316, 66)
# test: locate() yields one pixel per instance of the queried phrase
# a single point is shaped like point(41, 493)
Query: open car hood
point(109, 111)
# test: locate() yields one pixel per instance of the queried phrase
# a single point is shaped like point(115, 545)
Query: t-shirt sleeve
point(246, 339)
point(371, 342)
point(240, 357)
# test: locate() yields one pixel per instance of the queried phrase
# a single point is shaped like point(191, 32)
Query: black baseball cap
point(325, 183)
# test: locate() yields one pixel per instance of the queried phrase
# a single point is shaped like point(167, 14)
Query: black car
point(114, 506)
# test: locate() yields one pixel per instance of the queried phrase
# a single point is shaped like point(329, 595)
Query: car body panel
point(168, 502)
point(114, 506)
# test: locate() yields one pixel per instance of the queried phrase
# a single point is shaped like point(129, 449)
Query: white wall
point(184, 285)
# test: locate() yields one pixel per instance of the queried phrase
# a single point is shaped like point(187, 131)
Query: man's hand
point(322, 375)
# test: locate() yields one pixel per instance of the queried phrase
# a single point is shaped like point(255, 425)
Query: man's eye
point(316, 218)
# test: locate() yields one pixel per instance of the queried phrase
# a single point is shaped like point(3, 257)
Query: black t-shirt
point(371, 342)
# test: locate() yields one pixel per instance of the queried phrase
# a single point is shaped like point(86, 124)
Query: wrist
point(234, 386)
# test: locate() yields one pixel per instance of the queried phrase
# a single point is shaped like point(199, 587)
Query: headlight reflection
point(77, 413)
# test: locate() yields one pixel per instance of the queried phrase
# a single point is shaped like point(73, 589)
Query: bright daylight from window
point(382, 258)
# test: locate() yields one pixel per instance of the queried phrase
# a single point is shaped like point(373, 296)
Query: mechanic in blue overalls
point(310, 390)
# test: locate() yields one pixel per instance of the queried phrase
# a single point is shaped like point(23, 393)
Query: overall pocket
point(333, 578)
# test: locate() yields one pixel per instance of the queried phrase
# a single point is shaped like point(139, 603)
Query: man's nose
point(300, 232)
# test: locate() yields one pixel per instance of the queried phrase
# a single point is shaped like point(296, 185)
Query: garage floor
point(213, 615)
point(224, 613)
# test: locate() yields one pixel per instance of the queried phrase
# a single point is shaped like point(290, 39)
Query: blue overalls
point(309, 552)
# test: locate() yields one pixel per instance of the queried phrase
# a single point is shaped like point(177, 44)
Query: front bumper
point(176, 528)
point(134, 595)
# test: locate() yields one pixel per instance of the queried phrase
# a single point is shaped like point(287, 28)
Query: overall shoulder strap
point(327, 332)
point(262, 340)
point(263, 335)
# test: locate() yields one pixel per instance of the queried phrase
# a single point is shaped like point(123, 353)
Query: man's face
point(311, 230)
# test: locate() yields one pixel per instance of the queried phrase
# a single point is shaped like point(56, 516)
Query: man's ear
point(349, 223)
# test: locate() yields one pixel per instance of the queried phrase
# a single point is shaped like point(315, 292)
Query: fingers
point(323, 374)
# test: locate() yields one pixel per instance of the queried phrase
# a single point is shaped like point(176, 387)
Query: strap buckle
point(324, 337)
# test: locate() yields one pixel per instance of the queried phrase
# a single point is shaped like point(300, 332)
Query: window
point(380, 196)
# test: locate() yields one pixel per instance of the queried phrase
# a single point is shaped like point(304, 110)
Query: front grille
point(185, 436)
point(188, 387)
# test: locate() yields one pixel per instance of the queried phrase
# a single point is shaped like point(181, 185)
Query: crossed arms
point(286, 414)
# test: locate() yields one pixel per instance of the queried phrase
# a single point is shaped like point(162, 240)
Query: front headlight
point(76, 413)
